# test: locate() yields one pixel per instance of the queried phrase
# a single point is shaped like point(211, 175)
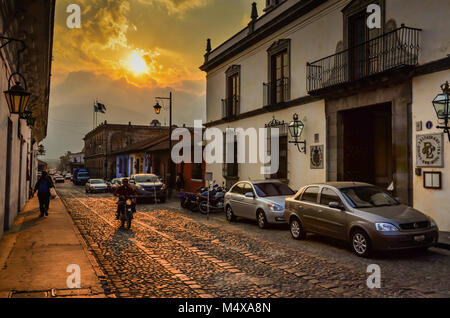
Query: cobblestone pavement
point(175, 253)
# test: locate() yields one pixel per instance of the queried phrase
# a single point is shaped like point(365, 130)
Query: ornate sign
point(316, 157)
point(429, 150)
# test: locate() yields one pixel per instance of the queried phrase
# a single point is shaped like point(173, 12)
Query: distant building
point(102, 143)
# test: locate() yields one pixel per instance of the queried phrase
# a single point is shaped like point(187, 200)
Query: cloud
point(177, 6)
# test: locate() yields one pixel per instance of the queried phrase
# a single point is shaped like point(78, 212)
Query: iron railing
point(230, 106)
point(391, 50)
point(276, 92)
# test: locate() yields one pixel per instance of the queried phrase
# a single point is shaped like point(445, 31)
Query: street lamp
point(295, 130)
point(441, 104)
point(17, 97)
point(157, 109)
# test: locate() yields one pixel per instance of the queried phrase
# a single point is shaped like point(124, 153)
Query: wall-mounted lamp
point(441, 104)
point(17, 96)
point(295, 130)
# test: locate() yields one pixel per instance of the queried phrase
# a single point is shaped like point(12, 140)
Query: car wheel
point(297, 229)
point(230, 215)
point(360, 243)
point(261, 218)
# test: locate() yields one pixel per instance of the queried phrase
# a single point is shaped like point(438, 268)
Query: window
point(283, 142)
point(238, 188)
point(278, 88)
point(328, 196)
point(271, 189)
point(196, 172)
point(247, 188)
point(310, 194)
point(231, 104)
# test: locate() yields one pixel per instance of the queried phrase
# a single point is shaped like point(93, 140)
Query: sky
point(125, 54)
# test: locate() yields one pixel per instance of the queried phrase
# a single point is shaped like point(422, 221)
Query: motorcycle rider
point(127, 191)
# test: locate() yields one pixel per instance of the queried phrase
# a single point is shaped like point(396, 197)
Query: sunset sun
point(137, 64)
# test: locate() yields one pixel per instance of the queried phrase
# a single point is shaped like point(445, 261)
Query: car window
point(247, 188)
point(368, 197)
point(328, 195)
point(310, 194)
point(237, 188)
point(271, 189)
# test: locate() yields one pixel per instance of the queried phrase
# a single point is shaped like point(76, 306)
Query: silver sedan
point(262, 201)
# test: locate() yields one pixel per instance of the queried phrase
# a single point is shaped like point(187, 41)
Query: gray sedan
point(363, 214)
point(262, 201)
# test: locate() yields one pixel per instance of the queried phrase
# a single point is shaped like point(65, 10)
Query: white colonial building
point(364, 94)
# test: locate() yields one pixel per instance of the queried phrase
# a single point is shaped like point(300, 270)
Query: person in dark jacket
point(43, 186)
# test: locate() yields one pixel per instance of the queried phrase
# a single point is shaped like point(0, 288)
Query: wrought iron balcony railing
point(397, 48)
point(230, 106)
point(276, 92)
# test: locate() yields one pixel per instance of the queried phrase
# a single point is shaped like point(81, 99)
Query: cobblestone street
point(175, 253)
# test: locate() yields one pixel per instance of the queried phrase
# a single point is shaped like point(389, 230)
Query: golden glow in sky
point(137, 64)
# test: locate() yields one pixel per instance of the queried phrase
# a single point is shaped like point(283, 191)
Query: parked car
point(148, 186)
point(115, 183)
point(96, 185)
point(68, 176)
point(360, 213)
point(58, 178)
point(262, 201)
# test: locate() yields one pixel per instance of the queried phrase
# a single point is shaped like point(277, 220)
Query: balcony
point(393, 50)
point(230, 107)
point(276, 92)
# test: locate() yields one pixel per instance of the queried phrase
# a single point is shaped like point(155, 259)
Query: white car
point(96, 185)
point(58, 178)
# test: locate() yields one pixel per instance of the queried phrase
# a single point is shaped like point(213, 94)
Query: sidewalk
point(35, 253)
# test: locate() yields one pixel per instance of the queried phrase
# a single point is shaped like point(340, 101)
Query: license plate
point(419, 238)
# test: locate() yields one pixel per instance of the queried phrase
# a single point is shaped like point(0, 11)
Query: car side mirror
point(336, 205)
point(249, 195)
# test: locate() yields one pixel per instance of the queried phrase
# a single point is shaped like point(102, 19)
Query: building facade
point(362, 91)
point(31, 22)
point(106, 140)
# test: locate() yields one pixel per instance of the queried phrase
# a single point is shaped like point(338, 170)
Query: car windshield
point(272, 189)
point(83, 174)
point(146, 178)
point(97, 181)
point(368, 197)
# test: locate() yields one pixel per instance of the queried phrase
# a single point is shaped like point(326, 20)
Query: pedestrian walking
point(43, 187)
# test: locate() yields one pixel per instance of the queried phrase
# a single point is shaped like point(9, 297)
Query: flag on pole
point(101, 108)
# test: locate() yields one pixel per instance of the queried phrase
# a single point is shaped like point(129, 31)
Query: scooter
point(189, 200)
point(126, 210)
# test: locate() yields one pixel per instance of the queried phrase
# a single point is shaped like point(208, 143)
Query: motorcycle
point(211, 200)
point(189, 200)
point(126, 210)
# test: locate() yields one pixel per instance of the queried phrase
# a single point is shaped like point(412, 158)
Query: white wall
point(432, 17)
point(435, 203)
point(299, 172)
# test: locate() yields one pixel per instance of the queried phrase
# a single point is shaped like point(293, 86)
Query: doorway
point(367, 145)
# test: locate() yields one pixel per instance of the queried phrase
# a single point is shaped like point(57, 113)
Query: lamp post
point(157, 109)
point(295, 130)
point(441, 104)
